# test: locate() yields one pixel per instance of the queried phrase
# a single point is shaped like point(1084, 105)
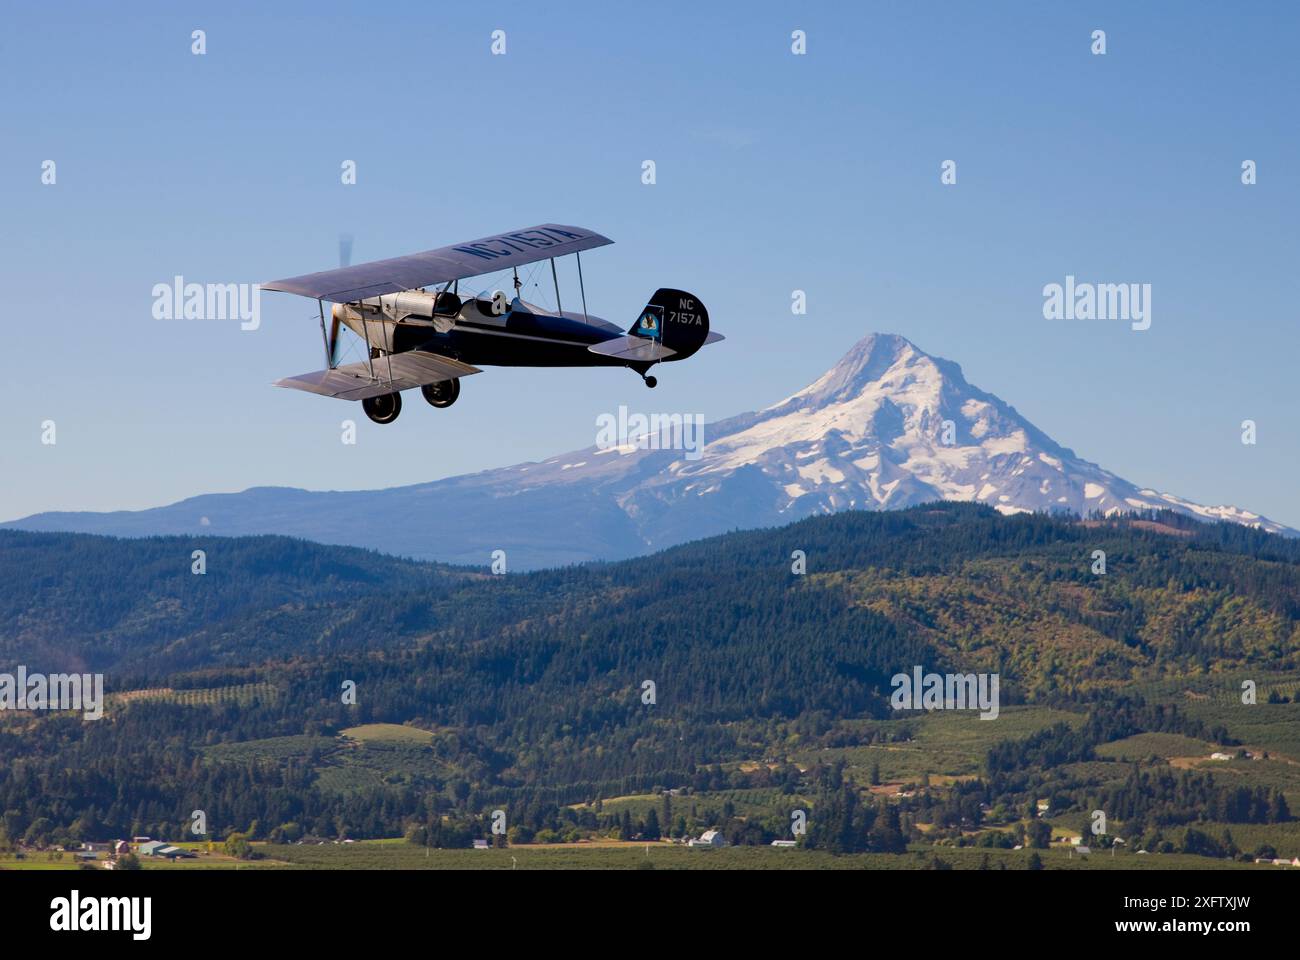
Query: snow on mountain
point(889, 426)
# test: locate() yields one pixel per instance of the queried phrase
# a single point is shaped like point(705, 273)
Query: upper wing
point(352, 381)
point(500, 252)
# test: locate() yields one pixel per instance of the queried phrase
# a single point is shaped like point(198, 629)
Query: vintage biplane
point(430, 338)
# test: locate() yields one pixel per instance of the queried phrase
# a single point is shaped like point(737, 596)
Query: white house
point(785, 843)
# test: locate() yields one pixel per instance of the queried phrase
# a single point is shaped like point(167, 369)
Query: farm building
point(156, 848)
point(709, 838)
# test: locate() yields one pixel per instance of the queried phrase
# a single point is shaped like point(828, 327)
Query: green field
point(664, 856)
point(272, 749)
point(952, 744)
point(397, 854)
point(758, 802)
point(388, 733)
point(361, 757)
point(1144, 745)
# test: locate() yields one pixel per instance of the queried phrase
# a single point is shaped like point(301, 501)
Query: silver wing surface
point(633, 348)
point(352, 381)
point(472, 259)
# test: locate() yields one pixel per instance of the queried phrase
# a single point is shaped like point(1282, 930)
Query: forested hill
point(73, 601)
point(529, 690)
point(946, 584)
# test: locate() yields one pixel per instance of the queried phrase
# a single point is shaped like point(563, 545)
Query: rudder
point(675, 318)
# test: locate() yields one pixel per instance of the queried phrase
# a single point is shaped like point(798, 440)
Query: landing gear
point(383, 409)
point(651, 382)
point(443, 393)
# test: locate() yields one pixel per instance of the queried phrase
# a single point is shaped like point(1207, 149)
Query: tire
point(443, 393)
point(384, 408)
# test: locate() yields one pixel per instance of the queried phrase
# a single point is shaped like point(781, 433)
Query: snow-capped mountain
point(889, 426)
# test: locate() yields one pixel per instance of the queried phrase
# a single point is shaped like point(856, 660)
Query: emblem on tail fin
point(651, 322)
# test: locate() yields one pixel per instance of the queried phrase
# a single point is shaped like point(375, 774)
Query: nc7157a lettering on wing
point(529, 239)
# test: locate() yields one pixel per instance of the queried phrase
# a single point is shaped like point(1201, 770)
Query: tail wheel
point(443, 393)
point(383, 409)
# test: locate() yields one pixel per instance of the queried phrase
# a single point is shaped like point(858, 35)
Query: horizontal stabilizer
point(634, 349)
point(352, 381)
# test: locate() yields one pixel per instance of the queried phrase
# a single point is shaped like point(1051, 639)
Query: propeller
point(345, 260)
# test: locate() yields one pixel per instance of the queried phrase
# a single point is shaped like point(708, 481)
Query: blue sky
point(775, 172)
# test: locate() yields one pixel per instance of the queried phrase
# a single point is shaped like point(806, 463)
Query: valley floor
point(397, 854)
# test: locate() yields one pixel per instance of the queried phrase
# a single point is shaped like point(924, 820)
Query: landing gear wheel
point(651, 382)
point(383, 409)
point(443, 393)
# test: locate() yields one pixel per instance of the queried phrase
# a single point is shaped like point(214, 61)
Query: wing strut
point(329, 361)
point(582, 288)
point(370, 353)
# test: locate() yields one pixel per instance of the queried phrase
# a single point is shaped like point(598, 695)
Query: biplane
point(420, 330)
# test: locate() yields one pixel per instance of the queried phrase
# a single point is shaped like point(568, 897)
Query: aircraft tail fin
point(676, 319)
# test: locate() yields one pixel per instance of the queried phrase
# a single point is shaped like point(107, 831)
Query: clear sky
point(775, 172)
